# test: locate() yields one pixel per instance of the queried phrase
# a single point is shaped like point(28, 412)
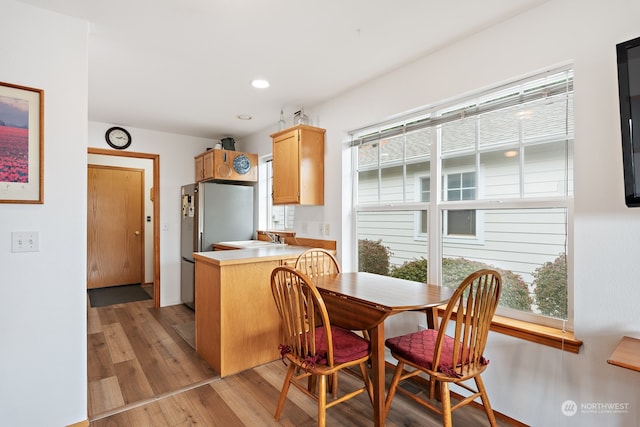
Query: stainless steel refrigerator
point(211, 212)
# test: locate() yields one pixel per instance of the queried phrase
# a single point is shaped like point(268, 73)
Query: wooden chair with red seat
point(453, 358)
point(313, 347)
point(317, 262)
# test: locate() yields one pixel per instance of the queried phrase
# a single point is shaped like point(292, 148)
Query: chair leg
point(333, 384)
point(367, 381)
point(285, 390)
point(393, 386)
point(311, 384)
point(485, 401)
point(446, 404)
point(322, 401)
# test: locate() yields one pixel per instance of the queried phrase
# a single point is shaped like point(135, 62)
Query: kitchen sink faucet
point(274, 237)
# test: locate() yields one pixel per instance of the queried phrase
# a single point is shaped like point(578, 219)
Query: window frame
point(437, 205)
point(287, 215)
point(421, 223)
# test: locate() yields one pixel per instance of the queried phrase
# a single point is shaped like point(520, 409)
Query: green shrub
point(550, 287)
point(411, 270)
point(515, 293)
point(373, 257)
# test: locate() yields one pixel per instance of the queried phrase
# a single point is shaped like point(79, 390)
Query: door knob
point(137, 233)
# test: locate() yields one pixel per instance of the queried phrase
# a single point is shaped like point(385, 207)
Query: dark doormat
point(101, 297)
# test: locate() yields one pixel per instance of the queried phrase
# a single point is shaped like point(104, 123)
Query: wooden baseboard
point(84, 423)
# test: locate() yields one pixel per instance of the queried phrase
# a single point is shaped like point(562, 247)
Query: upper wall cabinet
point(298, 166)
point(226, 165)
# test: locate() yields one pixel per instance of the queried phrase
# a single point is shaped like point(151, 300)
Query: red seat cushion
point(418, 348)
point(347, 346)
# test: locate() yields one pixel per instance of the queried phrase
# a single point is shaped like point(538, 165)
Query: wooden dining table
point(362, 301)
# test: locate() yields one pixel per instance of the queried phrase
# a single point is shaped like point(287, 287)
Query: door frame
point(156, 209)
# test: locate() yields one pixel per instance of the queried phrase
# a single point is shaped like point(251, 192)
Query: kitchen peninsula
point(237, 324)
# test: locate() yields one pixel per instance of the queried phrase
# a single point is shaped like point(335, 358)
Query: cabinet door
point(286, 168)
point(208, 165)
point(199, 165)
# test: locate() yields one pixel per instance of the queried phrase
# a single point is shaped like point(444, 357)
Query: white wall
point(176, 169)
point(43, 361)
point(526, 381)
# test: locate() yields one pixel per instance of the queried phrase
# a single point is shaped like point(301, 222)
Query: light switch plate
point(25, 241)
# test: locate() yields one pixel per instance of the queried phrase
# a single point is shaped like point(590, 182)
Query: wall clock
point(118, 138)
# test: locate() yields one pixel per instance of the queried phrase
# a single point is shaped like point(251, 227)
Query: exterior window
point(461, 222)
point(503, 197)
point(279, 217)
point(425, 196)
point(460, 186)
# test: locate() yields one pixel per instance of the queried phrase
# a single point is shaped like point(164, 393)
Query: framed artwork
point(21, 144)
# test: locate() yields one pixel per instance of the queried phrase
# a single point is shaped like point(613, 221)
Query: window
point(424, 196)
point(279, 217)
point(482, 181)
point(460, 186)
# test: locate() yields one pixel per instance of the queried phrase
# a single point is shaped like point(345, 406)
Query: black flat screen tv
point(629, 94)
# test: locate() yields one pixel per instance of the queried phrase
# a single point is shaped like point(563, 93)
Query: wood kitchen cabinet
point(298, 166)
point(237, 323)
point(204, 166)
point(226, 165)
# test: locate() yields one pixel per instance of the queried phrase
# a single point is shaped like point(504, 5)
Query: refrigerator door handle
point(200, 242)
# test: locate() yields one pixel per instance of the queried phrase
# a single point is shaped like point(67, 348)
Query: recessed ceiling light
point(260, 84)
point(244, 117)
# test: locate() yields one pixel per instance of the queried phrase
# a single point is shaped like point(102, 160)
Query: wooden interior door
point(115, 226)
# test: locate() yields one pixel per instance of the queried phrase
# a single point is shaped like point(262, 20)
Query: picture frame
point(21, 144)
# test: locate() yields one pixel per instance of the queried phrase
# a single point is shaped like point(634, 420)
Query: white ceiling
point(185, 66)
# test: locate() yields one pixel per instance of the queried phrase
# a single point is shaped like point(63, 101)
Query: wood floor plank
point(99, 364)
point(178, 351)
point(104, 395)
point(165, 344)
point(118, 420)
point(117, 342)
point(181, 363)
point(178, 318)
point(159, 375)
point(212, 408)
point(179, 411)
point(107, 315)
point(150, 415)
point(93, 321)
point(234, 395)
point(133, 381)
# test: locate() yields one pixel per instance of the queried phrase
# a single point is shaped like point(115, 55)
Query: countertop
point(244, 256)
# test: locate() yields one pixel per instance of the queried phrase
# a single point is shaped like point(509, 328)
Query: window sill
point(544, 335)
point(532, 332)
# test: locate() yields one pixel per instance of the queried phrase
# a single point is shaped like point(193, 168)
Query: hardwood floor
point(142, 373)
